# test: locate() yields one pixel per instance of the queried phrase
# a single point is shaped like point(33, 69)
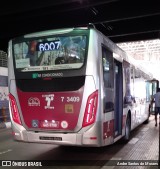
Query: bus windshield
point(50, 53)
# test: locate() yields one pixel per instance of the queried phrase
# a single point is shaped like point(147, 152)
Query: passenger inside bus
point(31, 52)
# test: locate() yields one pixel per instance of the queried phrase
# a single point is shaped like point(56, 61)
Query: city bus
point(76, 87)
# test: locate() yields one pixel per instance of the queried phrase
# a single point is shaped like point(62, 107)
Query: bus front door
point(118, 95)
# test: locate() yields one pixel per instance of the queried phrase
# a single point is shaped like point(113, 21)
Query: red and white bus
point(74, 87)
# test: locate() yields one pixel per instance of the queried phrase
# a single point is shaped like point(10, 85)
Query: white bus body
point(74, 87)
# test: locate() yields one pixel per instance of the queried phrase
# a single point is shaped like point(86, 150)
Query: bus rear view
point(52, 97)
point(75, 87)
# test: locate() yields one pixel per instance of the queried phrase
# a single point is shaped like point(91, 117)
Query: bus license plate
point(50, 138)
point(50, 124)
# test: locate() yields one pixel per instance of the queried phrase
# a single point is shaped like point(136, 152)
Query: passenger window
point(107, 67)
point(108, 79)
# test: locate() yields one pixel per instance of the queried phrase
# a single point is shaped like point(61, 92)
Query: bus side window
point(128, 75)
point(107, 68)
point(108, 79)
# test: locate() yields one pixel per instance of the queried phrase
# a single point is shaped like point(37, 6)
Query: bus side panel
point(93, 135)
point(140, 107)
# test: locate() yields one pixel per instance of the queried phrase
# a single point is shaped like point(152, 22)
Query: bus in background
point(75, 87)
point(4, 101)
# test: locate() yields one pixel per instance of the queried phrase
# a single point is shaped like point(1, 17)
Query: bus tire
point(147, 121)
point(127, 129)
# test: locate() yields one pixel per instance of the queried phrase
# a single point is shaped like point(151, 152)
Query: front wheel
point(127, 129)
point(147, 121)
point(149, 113)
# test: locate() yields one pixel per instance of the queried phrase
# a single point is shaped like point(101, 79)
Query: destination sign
point(48, 45)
